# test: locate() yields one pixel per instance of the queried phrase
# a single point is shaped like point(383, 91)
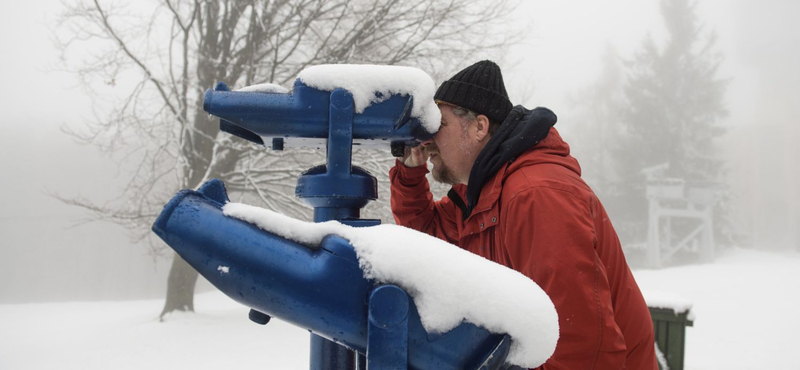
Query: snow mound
point(375, 83)
point(448, 285)
point(668, 300)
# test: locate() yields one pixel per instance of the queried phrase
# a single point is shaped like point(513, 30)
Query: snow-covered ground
point(746, 308)
point(745, 303)
point(128, 335)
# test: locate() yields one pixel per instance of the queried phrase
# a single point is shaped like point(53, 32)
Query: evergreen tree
point(675, 104)
point(595, 117)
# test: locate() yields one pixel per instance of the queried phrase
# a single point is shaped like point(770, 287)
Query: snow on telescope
point(336, 281)
point(391, 108)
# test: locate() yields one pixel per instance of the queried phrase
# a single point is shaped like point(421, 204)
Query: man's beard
point(441, 172)
point(444, 174)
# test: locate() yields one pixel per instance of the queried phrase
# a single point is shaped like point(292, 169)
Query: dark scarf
point(521, 130)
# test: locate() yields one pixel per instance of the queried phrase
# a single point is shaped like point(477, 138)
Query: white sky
point(561, 50)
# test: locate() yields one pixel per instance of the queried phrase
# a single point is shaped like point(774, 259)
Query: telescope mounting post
point(337, 191)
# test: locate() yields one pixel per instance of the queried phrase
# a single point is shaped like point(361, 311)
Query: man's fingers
point(413, 157)
point(420, 155)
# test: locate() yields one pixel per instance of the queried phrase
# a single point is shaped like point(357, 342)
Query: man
point(518, 199)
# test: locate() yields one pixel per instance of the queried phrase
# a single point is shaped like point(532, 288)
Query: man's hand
point(415, 156)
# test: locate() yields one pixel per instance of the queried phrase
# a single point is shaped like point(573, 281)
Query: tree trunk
point(180, 287)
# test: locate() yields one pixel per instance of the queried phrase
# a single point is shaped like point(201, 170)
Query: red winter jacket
point(538, 217)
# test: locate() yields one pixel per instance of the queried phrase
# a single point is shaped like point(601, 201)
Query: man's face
point(451, 152)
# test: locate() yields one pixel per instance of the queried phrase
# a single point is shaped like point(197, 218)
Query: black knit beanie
point(479, 88)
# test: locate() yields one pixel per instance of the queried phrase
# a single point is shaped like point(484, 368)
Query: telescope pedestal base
point(327, 355)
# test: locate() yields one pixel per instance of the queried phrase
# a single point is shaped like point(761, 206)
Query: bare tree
point(175, 49)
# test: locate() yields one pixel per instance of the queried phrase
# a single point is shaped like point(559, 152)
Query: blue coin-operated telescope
point(304, 117)
point(356, 323)
point(309, 117)
point(319, 288)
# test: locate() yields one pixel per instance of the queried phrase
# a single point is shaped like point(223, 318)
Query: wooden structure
point(670, 199)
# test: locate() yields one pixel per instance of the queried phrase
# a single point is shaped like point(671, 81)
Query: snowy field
point(745, 303)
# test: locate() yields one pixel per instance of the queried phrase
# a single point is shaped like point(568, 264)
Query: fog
point(758, 43)
point(49, 254)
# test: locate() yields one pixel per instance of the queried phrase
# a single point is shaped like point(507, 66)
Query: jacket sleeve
point(549, 236)
point(413, 205)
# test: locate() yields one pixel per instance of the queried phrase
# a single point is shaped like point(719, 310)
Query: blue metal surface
point(321, 289)
point(338, 190)
point(303, 114)
point(387, 346)
point(338, 193)
point(320, 189)
point(496, 359)
point(326, 355)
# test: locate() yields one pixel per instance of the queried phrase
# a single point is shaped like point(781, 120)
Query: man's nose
point(426, 143)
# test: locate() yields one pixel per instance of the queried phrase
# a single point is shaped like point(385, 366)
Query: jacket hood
point(522, 130)
point(551, 150)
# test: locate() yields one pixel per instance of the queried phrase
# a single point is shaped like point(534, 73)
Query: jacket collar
point(521, 130)
point(552, 150)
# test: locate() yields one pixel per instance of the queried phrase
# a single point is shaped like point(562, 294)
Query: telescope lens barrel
point(300, 118)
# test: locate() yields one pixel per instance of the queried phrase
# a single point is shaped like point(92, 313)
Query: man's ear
point(481, 127)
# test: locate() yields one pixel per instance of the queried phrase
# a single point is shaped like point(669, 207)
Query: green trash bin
point(670, 331)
